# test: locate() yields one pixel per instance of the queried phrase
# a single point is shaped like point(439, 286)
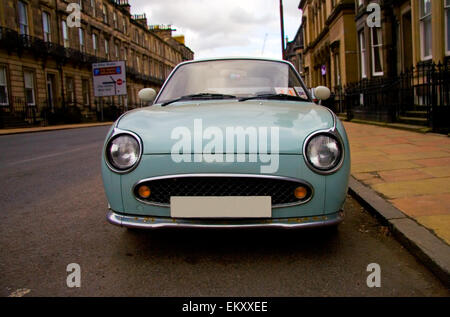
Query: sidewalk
point(53, 127)
point(410, 170)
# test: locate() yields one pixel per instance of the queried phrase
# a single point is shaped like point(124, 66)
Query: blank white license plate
point(221, 207)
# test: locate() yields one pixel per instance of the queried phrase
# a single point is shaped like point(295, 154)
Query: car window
point(240, 78)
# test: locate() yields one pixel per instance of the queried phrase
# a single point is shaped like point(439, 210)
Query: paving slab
point(407, 187)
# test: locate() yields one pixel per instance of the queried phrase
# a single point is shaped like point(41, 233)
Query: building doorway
point(51, 92)
point(407, 50)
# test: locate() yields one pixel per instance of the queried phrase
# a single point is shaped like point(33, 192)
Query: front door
point(407, 62)
point(50, 91)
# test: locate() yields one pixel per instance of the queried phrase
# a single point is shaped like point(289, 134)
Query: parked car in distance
point(227, 142)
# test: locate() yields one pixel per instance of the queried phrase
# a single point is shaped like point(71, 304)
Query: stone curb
point(52, 128)
point(429, 249)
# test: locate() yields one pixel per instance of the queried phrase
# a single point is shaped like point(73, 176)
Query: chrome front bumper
point(165, 222)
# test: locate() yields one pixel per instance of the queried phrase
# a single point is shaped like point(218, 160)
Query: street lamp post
point(282, 28)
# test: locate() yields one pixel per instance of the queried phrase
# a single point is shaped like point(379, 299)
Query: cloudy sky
point(225, 27)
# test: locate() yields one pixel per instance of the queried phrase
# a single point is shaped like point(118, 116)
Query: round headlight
point(123, 151)
point(323, 152)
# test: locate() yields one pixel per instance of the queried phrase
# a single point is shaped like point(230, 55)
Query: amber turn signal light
point(300, 192)
point(144, 191)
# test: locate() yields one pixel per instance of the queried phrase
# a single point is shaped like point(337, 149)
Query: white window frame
point(422, 18)
point(373, 47)
point(363, 53)
point(107, 48)
point(23, 20)
point(94, 43)
point(115, 20)
point(46, 22)
point(65, 33)
point(81, 40)
point(447, 22)
point(27, 72)
point(116, 50)
point(4, 84)
point(337, 69)
point(105, 13)
point(93, 7)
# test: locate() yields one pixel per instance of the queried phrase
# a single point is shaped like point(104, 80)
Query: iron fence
point(420, 92)
point(18, 113)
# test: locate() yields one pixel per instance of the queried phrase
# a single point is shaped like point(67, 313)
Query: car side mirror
point(322, 92)
point(147, 94)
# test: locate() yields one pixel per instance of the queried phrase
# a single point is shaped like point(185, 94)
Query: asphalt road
point(52, 213)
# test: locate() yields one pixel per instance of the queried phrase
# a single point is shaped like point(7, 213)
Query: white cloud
point(225, 28)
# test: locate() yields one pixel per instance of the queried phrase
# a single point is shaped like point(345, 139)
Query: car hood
point(160, 128)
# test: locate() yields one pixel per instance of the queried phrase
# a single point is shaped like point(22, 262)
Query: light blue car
point(228, 143)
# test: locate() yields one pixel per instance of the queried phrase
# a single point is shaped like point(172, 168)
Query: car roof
point(236, 58)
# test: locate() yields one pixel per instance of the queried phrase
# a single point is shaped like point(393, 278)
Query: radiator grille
point(281, 190)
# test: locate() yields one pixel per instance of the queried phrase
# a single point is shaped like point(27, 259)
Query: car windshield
point(244, 78)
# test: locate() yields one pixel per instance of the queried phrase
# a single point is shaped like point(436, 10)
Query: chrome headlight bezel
point(332, 133)
point(107, 157)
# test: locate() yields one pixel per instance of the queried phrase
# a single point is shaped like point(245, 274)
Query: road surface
point(53, 213)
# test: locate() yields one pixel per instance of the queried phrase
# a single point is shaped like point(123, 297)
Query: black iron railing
point(12, 41)
point(422, 90)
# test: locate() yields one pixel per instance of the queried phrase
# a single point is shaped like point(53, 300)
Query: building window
point(65, 33)
point(81, 39)
point(106, 48)
point(115, 19)
point(3, 87)
point(29, 88)
point(93, 7)
point(447, 26)
point(124, 25)
point(125, 54)
point(85, 91)
point(362, 51)
point(425, 29)
point(377, 64)
point(116, 51)
point(23, 18)
point(337, 70)
point(105, 14)
point(138, 67)
point(46, 27)
point(70, 90)
point(94, 43)
point(80, 3)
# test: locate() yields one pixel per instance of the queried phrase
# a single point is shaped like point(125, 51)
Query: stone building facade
point(329, 51)
point(45, 61)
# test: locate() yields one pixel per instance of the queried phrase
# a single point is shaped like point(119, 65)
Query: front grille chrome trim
point(218, 175)
point(150, 222)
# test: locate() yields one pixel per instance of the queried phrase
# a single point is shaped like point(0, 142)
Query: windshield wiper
point(274, 96)
point(201, 96)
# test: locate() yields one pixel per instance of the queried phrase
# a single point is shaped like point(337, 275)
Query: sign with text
point(109, 79)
